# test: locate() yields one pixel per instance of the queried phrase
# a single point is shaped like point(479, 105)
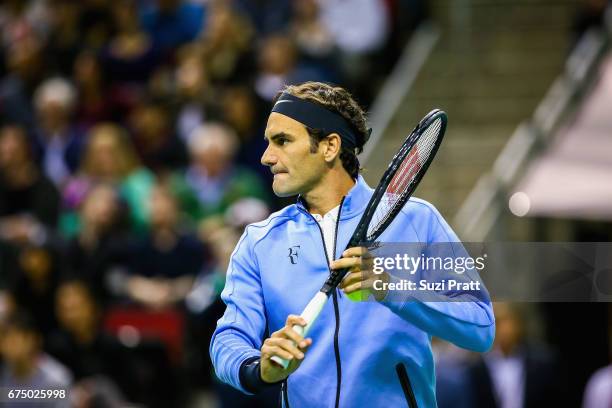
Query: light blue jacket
point(280, 263)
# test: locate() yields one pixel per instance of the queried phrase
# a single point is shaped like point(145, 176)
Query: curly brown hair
point(340, 101)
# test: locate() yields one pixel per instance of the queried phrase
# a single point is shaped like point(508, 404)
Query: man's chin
point(283, 191)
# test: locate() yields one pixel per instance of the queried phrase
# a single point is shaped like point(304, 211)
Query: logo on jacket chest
point(293, 254)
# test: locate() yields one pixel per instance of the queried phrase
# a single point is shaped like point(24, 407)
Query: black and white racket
point(393, 191)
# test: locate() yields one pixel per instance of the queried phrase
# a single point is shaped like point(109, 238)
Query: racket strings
point(405, 176)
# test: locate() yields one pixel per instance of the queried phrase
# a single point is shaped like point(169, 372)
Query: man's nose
point(268, 158)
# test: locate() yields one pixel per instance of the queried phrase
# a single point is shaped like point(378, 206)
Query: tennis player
point(375, 353)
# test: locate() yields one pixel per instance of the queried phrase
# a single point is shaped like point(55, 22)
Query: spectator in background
point(57, 141)
point(226, 45)
point(24, 61)
point(157, 144)
point(19, 18)
point(172, 23)
point(109, 157)
point(131, 55)
point(164, 263)
point(66, 37)
point(312, 37)
point(357, 26)
point(279, 65)
point(80, 344)
point(29, 202)
point(212, 178)
point(95, 22)
point(516, 373)
point(193, 91)
point(359, 29)
point(37, 273)
point(277, 62)
point(245, 113)
point(98, 245)
point(95, 101)
point(26, 365)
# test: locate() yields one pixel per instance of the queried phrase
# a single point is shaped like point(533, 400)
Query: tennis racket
point(393, 191)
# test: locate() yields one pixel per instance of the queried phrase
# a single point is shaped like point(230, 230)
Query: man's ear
point(332, 147)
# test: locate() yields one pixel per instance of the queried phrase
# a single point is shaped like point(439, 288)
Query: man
point(373, 353)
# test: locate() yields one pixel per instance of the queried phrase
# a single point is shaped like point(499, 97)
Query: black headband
point(316, 117)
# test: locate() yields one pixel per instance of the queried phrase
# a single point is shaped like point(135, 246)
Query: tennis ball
point(360, 295)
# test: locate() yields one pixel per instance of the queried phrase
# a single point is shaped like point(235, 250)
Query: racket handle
point(310, 314)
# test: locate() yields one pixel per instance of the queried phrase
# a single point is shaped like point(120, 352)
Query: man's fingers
point(345, 263)
point(351, 278)
point(354, 287)
point(355, 251)
point(286, 346)
point(292, 320)
point(271, 351)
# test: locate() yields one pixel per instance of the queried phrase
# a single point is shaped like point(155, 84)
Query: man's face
point(296, 168)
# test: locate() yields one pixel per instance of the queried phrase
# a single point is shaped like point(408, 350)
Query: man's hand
point(287, 344)
point(360, 275)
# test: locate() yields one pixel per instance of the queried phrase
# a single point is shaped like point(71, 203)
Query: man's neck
point(329, 192)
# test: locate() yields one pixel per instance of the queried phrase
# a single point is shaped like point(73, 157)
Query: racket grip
point(310, 314)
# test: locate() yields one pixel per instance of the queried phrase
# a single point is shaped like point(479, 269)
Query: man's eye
point(281, 141)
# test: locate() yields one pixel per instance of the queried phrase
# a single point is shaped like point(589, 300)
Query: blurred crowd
point(130, 138)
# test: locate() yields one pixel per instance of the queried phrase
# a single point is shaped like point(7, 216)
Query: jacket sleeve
point(239, 333)
point(464, 318)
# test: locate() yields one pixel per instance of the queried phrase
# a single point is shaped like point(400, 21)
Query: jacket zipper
point(336, 307)
point(337, 314)
point(404, 380)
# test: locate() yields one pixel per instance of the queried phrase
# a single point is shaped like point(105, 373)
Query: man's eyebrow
point(276, 136)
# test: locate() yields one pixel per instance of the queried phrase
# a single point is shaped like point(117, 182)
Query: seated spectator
point(26, 366)
point(24, 60)
point(29, 202)
point(194, 95)
point(131, 55)
point(65, 38)
point(244, 113)
point(172, 23)
point(58, 142)
point(158, 146)
point(226, 45)
point(312, 37)
point(213, 177)
point(35, 281)
point(79, 342)
point(98, 247)
point(279, 65)
point(105, 369)
point(95, 101)
point(109, 158)
point(164, 264)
